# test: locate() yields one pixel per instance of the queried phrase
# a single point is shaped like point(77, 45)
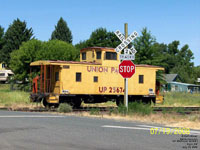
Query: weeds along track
point(181, 110)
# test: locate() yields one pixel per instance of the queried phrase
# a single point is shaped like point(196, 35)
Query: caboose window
point(141, 78)
point(78, 77)
point(84, 56)
point(95, 79)
point(99, 55)
point(111, 56)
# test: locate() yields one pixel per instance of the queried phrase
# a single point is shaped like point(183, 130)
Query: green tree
point(159, 55)
point(197, 73)
point(168, 56)
point(100, 38)
point(1, 38)
point(21, 58)
point(62, 32)
point(183, 65)
point(171, 55)
point(16, 33)
point(34, 50)
point(144, 46)
point(57, 50)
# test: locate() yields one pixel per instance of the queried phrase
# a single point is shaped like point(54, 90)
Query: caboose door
point(56, 80)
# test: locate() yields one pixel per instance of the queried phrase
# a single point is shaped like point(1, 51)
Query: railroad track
point(180, 110)
point(81, 109)
point(185, 110)
point(176, 109)
point(93, 108)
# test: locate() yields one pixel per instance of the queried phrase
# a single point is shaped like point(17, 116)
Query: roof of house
point(171, 77)
point(186, 84)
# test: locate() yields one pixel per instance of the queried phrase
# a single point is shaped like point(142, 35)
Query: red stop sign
point(127, 68)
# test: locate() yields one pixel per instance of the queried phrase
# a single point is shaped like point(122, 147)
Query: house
point(4, 73)
point(182, 87)
point(174, 86)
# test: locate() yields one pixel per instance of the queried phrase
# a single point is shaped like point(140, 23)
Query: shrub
point(122, 109)
point(139, 108)
point(113, 111)
point(133, 108)
point(65, 108)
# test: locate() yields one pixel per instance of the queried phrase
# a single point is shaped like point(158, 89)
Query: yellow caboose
point(94, 79)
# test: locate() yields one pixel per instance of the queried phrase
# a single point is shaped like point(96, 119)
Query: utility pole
point(126, 79)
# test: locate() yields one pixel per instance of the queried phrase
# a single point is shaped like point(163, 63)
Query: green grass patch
point(4, 87)
point(64, 108)
point(139, 108)
point(95, 111)
point(133, 108)
point(8, 97)
point(177, 99)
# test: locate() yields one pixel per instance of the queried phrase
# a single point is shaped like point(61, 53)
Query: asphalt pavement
point(39, 131)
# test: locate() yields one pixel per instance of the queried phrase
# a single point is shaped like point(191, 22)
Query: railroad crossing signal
point(125, 42)
point(127, 68)
point(129, 53)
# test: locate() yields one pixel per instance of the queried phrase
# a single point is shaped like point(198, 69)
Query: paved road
point(36, 131)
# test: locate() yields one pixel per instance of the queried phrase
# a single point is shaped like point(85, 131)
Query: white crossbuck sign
point(129, 53)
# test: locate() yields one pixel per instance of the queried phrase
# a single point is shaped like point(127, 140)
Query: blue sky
point(167, 20)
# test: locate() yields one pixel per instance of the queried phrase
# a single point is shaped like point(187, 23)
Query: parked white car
point(4, 75)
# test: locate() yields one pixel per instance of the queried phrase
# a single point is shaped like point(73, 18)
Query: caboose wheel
point(45, 103)
point(77, 103)
point(154, 101)
point(56, 105)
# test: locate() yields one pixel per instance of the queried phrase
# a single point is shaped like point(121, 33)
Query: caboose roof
point(60, 62)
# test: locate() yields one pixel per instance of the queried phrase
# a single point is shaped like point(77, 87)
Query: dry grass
point(171, 120)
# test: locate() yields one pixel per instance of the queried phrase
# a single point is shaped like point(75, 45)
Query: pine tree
point(62, 32)
point(16, 33)
point(144, 46)
point(101, 38)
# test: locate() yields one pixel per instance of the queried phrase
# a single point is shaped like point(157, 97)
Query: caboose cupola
point(103, 55)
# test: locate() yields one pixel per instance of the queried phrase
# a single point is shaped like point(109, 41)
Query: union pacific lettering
point(102, 69)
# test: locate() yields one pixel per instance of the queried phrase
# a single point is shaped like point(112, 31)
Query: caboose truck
point(94, 79)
